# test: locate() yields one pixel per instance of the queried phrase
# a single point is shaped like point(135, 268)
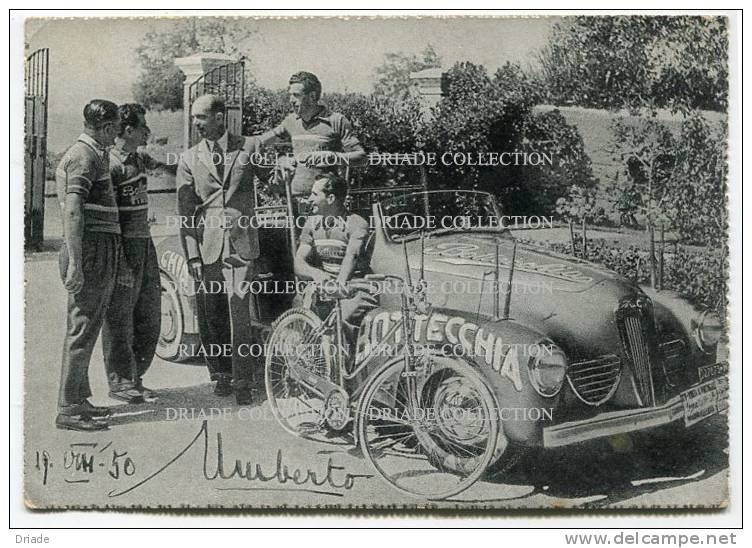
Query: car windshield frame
point(391, 236)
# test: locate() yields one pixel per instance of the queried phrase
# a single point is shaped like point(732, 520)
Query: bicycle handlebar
point(333, 289)
point(382, 277)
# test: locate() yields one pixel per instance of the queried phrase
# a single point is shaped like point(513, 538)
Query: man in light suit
point(216, 202)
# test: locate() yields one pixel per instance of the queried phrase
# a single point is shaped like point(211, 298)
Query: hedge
point(699, 276)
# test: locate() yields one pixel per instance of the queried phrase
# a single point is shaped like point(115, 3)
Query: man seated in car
point(332, 247)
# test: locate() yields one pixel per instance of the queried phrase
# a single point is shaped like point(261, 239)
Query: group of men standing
point(107, 262)
point(109, 265)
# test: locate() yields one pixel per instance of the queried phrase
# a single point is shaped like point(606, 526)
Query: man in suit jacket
point(216, 202)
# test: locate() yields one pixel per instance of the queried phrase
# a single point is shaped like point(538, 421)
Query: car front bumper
point(699, 402)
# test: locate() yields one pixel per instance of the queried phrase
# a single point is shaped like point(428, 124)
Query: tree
point(681, 178)
point(644, 150)
point(690, 59)
point(638, 62)
point(493, 114)
point(393, 76)
point(542, 186)
point(696, 195)
point(160, 84)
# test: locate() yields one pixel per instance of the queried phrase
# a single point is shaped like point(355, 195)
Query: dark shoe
point(129, 395)
point(245, 396)
point(147, 393)
point(80, 423)
point(223, 387)
point(92, 410)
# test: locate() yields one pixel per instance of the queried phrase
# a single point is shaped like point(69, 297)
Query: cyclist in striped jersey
point(89, 259)
point(333, 248)
point(132, 322)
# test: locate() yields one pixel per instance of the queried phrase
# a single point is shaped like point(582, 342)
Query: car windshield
point(405, 217)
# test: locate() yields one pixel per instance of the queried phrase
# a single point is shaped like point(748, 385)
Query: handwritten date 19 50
point(81, 461)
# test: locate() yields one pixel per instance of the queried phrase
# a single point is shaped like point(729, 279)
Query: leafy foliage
point(676, 178)
point(263, 108)
point(580, 204)
point(697, 188)
point(477, 114)
point(698, 276)
point(382, 125)
point(480, 114)
point(543, 185)
point(160, 84)
point(643, 150)
point(638, 62)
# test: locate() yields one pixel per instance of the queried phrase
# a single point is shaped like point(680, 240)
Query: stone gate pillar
point(426, 85)
point(194, 67)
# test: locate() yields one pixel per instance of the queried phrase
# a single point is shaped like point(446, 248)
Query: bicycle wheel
point(297, 339)
point(442, 445)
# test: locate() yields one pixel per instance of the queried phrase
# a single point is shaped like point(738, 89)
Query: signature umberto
point(333, 477)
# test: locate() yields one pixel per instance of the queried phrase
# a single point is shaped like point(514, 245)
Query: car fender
point(500, 350)
point(674, 313)
point(172, 263)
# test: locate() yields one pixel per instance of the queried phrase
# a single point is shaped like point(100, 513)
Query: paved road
point(170, 453)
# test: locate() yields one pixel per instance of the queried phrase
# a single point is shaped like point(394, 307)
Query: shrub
point(477, 114)
point(699, 276)
point(544, 185)
point(676, 177)
point(697, 197)
point(643, 150)
point(480, 114)
point(263, 109)
point(380, 124)
point(581, 204)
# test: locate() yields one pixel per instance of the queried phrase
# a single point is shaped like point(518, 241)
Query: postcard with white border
point(414, 263)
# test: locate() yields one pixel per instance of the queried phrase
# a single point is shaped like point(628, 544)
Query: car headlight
point(708, 329)
point(548, 369)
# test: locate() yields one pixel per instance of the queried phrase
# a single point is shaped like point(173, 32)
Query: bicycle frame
point(335, 321)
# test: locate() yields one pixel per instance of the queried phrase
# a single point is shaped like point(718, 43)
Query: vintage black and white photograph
point(460, 262)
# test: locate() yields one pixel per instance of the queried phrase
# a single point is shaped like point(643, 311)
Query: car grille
point(634, 318)
point(595, 381)
point(674, 354)
point(672, 349)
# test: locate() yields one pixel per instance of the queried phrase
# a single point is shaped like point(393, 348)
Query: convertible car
point(571, 351)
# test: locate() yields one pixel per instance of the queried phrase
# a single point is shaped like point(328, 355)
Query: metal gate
point(227, 81)
point(36, 79)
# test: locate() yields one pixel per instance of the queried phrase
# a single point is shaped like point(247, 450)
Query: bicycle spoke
point(433, 455)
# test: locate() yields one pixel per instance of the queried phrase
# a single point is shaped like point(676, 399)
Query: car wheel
point(174, 343)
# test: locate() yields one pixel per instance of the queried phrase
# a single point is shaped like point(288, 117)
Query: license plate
point(710, 371)
point(705, 400)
